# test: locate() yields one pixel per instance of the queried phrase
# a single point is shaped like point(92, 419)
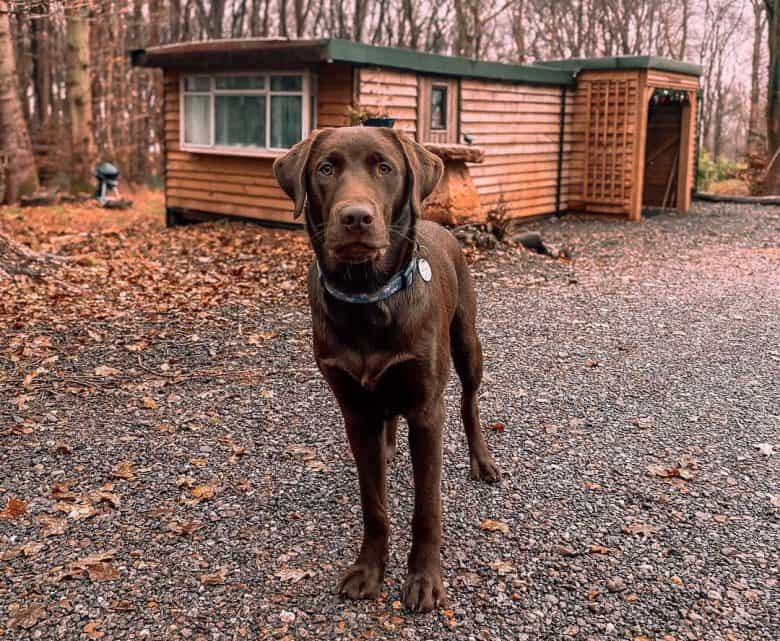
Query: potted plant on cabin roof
point(369, 117)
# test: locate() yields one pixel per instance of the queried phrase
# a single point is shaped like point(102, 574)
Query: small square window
point(438, 107)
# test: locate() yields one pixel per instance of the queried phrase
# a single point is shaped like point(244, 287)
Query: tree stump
point(455, 200)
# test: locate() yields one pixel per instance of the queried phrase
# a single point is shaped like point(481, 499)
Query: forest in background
point(69, 98)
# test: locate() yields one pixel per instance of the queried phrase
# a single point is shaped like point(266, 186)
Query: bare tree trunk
point(18, 173)
point(79, 90)
point(518, 30)
point(283, 19)
point(754, 127)
point(41, 60)
point(773, 91)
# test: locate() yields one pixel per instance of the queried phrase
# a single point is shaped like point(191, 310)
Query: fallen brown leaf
point(52, 525)
point(123, 470)
point(77, 511)
point(102, 571)
point(303, 451)
point(203, 492)
point(61, 447)
point(93, 631)
point(105, 370)
point(494, 526)
point(293, 575)
point(185, 481)
point(29, 549)
point(497, 426)
point(317, 466)
point(503, 567)
point(214, 578)
point(14, 508)
point(183, 529)
point(61, 491)
point(686, 470)
point(599, 549)
point(103, 496)
point(27, 618)
point(149, 403)
point(642, 529)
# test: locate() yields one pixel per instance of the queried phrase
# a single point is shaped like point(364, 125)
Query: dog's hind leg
point(467, 357)
point(391, 431)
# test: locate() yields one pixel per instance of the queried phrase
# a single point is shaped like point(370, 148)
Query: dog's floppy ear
point(289, 171)
point(424, 168)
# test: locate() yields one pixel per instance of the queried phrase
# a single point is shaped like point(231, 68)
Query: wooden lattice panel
point(610, 138)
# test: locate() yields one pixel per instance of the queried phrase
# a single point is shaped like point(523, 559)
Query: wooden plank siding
point(240, 185)
point(518, 126)
point(391, 92)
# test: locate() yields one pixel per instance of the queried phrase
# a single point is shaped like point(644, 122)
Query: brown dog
point(391, 298)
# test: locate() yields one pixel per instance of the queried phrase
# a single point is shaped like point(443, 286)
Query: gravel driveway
point(184, 475)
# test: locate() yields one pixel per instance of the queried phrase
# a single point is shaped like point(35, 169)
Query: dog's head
point(362, 189)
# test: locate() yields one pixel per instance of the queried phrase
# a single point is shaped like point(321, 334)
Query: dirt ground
point(173, 467)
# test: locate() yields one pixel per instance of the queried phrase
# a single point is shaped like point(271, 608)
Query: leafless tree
point(18, 174)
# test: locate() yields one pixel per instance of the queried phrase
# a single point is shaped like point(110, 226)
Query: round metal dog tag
point(424, 267)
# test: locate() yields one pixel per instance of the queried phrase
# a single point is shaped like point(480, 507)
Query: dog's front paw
point(424, 591)
point(361, 581)
point(484, 468)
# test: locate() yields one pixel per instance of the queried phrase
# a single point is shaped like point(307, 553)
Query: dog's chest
point(366, 368)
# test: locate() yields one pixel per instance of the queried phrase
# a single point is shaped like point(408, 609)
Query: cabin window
point(244, 113)
point(438, 107)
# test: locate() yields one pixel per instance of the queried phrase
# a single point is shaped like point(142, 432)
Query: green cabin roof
point(223, 55)
point(271, 52)
point(623, 63)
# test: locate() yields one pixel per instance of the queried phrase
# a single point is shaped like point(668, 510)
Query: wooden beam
point(644, 94)
point(686, 170)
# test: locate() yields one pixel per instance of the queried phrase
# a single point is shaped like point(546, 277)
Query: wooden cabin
point(607, 135)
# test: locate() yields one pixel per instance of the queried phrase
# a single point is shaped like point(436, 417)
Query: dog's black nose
point(356, 217)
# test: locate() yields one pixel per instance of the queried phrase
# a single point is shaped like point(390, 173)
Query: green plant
point(712, 170)
point(358, 114)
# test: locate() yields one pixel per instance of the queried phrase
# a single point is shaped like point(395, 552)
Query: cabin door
point(437, 110)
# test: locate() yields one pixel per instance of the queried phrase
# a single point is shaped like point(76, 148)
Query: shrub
point(712, 171)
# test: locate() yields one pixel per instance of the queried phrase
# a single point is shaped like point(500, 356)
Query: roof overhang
point(230, 54)
point(624, 63)
point(283, 53)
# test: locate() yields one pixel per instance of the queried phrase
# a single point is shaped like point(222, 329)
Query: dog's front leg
point(363, 579)
point(423, 589)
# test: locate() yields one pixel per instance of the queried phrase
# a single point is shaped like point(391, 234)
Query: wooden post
point(640, 136)
point(687, 139)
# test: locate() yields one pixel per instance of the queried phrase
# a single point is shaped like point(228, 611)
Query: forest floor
point(173, 466)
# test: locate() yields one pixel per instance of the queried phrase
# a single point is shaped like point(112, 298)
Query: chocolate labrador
point(391, 298)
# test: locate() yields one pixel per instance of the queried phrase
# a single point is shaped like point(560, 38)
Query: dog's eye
point(326, 169)
point(384, 168)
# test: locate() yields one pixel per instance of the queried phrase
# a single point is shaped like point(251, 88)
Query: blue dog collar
point(399, 281)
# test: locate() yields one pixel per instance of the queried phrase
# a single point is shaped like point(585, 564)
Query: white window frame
point(308, 110)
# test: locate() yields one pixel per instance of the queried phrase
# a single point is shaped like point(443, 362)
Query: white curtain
point(197, 120)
